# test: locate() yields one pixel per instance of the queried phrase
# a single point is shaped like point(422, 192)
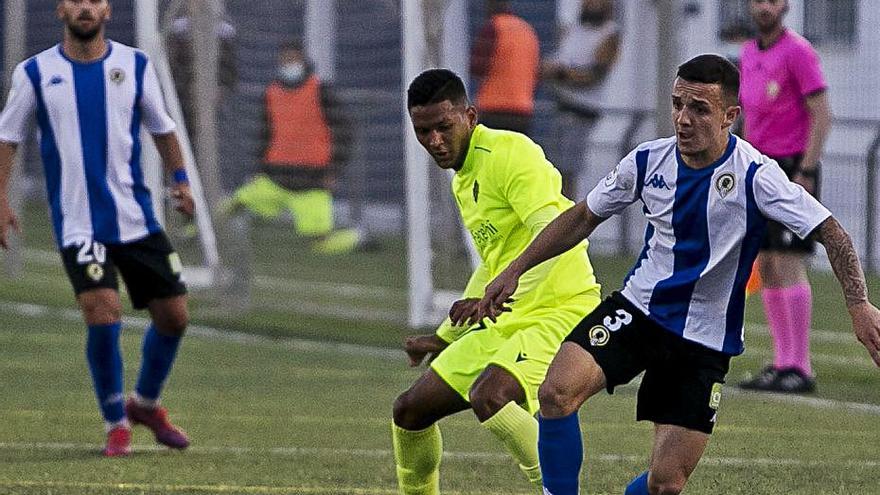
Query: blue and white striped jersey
point(89, 117)
point(704, 231)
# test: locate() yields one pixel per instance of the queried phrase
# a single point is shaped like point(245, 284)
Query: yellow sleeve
point(476, 287)
point(530, 180)
point(536, 223)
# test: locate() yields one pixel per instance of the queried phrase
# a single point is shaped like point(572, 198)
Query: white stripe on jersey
point(704, 230)
point(89, 117)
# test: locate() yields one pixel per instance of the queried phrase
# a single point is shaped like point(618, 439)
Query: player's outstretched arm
point(7, 216)
point(562, 234)
point(848, 270)
point(172, 158)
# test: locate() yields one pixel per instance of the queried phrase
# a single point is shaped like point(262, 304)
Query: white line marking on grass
point(169, 488)
point(487, 457)
point(211, 333)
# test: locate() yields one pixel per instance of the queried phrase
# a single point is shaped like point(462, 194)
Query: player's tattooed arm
point(844, 261)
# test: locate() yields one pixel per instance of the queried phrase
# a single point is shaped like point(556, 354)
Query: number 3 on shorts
point(621, 318)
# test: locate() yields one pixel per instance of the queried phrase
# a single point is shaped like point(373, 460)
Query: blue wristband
point(180, 176)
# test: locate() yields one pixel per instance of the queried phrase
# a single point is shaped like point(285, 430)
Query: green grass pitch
point(271, 413)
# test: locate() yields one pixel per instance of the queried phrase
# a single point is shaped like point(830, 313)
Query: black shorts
point(150, 268)
point(683, 379)
point(778, 238)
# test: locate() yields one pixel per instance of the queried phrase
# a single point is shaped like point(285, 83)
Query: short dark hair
point(713, 69)
point(433, 86)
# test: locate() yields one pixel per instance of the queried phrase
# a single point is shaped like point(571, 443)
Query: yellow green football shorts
point(523, 344)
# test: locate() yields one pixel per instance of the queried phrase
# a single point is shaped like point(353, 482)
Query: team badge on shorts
point(725, 183)
point(599, 336)
point(95, 271)
point(175, 264)
point(715, 396)
point(117, 75)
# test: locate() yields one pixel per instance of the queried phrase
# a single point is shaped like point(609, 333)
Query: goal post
point(149, 39)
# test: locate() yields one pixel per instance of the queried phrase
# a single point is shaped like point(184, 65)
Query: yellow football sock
point(417, 455)
point(518, 431)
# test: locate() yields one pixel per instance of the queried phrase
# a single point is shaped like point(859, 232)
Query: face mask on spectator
point(292, 73)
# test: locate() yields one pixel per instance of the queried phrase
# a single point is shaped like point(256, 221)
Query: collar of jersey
point(731, 144)
point(77, 62)
point(468, 165)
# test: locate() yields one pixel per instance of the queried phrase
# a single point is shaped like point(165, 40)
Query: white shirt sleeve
point(783, 201)
point(616, 191)
point(156, 118)
point(19, 108)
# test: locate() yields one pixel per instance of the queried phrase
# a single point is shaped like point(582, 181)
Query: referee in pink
point(787, 117)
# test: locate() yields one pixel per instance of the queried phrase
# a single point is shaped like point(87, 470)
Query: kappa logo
point(657, 182)
point(725, 183)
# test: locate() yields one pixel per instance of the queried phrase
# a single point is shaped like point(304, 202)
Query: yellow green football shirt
point(505, 180)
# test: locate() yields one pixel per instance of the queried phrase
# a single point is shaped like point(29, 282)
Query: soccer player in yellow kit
point(507, 192)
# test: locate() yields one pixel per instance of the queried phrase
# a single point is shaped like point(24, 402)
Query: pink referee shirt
point(774, 84)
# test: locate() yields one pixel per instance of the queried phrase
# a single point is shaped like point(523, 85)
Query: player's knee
point(555, 400)
point(487, 401)
point(173, 322)
point(406, 414)
point(100, 311)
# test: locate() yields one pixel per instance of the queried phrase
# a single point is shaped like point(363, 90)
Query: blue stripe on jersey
point(91, 106)
point(641, 171)
point(141, 193)
point(48, 150)
point(671, 298)
point(649, 233)
point(755, 227)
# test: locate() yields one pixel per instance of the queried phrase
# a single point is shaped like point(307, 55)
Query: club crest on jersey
point(725, 183)
point(476, 191)
point(599, 336)
point(117, 75)
point(95, 272)
point(657, 182)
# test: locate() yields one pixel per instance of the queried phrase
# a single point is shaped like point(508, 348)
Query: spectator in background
point(505, 60)
point(305, 139)
point(180, 58)
point(787, 117)
point(578, 77)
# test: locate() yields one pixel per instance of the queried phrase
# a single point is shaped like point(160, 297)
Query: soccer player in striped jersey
point(707, 196)
point(91, 97)
point(506, 192)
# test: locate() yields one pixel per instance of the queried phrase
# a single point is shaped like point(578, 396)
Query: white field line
point(486, 457)
point(223, 488)
point(378, 293)
point(356, 291)
point(304, 345)
point(214, 334)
